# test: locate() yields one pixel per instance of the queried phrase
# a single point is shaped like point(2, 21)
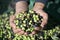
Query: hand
point(45, 17)
point(15, 30)
point(38, 7)
point(44, 21)
point(21, 6)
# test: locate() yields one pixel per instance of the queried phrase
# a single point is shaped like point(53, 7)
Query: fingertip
point(37, 28)
point(22, 32)
point(33, 33)
point(25, 33)
point(42, 26)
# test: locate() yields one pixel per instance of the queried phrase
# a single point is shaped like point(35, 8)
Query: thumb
point(44, 22)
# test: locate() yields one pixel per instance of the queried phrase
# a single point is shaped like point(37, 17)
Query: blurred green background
point(52, 8)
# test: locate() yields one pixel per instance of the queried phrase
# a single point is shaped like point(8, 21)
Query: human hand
point(14, 28)
point(44, 21)
point(45, 17)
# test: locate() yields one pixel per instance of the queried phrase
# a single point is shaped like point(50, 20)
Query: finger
point(12, 25)
point(25, 33)
point(11, 18)
point(18, 33)
point(33, 33)
point(16, 30)
point(11, 22)
point(21, 32)
point(37, 28)
point(44, 22)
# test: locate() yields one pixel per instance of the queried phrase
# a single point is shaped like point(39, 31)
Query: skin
point(39, 10)
point(22, 6)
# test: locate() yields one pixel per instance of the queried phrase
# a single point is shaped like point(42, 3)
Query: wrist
point(38, 6)
point(21, 6)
